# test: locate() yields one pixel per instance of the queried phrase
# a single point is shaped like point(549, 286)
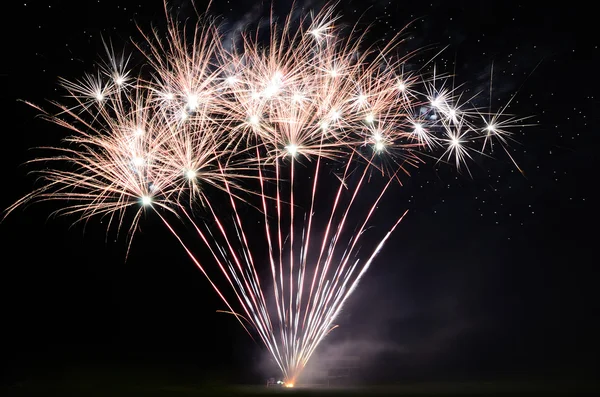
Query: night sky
point(488, 276)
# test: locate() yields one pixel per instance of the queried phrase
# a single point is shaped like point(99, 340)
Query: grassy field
point(127, 380)
point(116, 387)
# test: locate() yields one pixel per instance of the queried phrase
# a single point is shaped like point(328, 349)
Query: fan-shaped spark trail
point(309, 123)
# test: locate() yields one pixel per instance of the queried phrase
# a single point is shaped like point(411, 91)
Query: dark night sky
point(489, 276)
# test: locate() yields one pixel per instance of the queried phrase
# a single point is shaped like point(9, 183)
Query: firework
point(263, 121)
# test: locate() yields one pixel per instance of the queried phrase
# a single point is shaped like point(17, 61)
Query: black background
point(490, 276)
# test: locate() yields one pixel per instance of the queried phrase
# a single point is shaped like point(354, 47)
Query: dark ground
point(127, 381)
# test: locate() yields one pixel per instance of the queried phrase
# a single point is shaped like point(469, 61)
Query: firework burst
point(262, 122)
